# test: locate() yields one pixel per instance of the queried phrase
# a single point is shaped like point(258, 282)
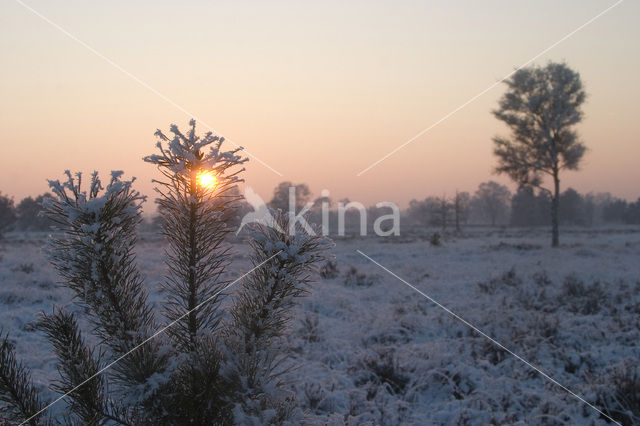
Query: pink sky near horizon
point(318, 91)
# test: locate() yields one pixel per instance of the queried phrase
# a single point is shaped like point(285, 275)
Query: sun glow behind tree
point(207, 179)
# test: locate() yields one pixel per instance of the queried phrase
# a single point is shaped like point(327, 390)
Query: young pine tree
point(199, 368)
point(194, 196)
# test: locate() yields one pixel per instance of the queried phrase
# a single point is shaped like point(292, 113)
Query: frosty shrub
point(435, 239)
point(456, 381)
point(355, 278)
point(309, 329)
point(385, 387)
point(541, 279)
point(620, 395)
point(314, 396)
point(572, 286)
point(329, 270)
point(581, 298)
point(508, 278)
point(517, 246)
point(380, 368)
point(203, 366)
point(25, 268)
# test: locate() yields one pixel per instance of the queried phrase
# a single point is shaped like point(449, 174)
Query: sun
point(207, 180)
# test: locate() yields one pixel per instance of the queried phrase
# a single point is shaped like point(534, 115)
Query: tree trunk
point(457, 211)
point(555, 207)
point(192, 249)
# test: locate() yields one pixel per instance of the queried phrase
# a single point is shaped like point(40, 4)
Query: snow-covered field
point(369, 349)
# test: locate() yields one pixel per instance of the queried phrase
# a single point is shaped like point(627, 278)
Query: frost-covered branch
point(93, 252)
point(17, 392)
point(79, 369)
point(261, 314)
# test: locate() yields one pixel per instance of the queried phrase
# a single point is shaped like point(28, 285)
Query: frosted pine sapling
point(192, 210)
point(196, 373)
point(194, 196)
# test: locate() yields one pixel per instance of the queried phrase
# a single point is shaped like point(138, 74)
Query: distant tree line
point(530, 209)
point(25, 216)
point(491, 204)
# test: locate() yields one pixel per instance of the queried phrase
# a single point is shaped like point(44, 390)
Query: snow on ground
point(371, 350)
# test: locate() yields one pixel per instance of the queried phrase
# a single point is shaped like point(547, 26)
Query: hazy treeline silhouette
point(24, 216)
point(491, 204)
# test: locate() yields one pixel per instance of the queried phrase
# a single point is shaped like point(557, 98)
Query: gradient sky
point(317, 90)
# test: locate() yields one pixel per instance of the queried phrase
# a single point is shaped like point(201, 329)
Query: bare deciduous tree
point(541, 106)
point(461, 206)
point(491, 201)
point(280, 200)
point(7, 213)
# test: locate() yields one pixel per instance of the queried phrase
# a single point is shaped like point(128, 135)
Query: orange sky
point(318, 91)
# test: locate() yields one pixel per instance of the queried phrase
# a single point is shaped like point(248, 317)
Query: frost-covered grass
point(370, 349)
